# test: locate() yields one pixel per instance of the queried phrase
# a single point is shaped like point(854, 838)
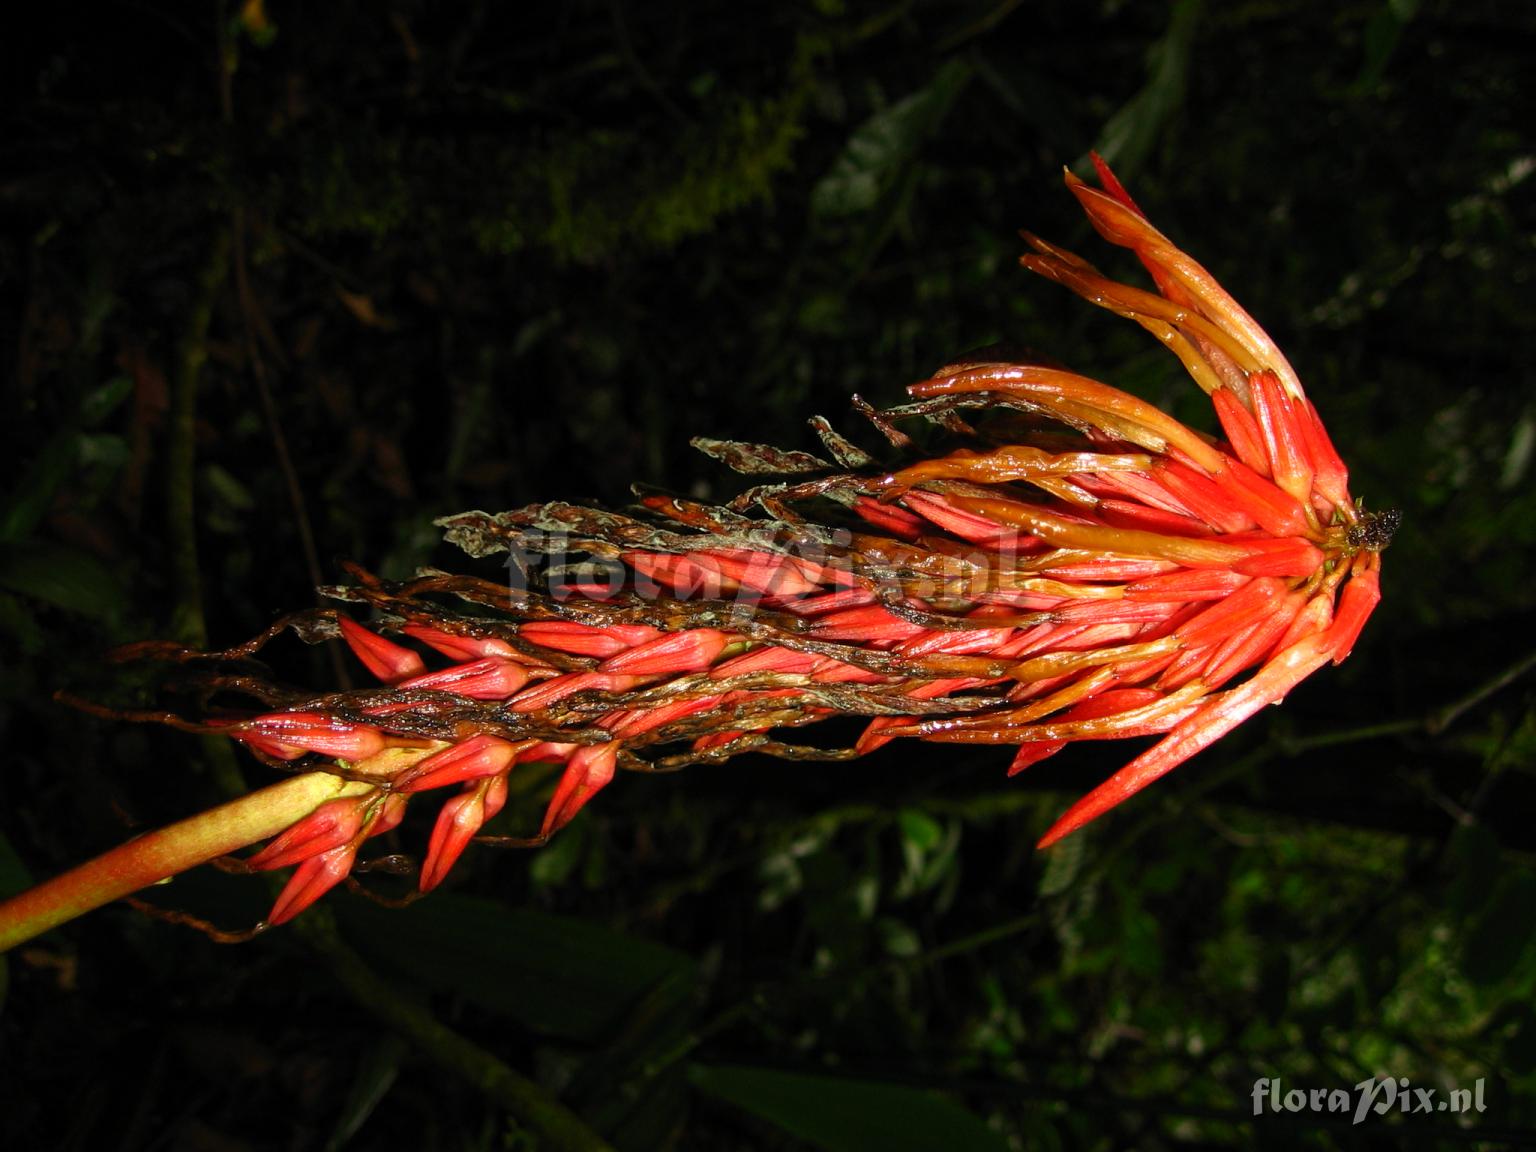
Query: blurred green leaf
point(64, 576)
point(1129, 136)
point(14, 876)
point(1475, 863)
point(19, 624)
point(884, 144)
point(29, 501)
point(378, 1066)
point(897, 938)
point(105, 400)
point(919, 829)
point(1502, 935)
point(1520, 1047)
point(554, 864)
point(849, 1115)
point(1382, 34)
point(556, 975)
point(1062, 864)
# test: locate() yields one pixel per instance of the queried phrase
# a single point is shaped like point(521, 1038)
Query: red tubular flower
point(1277, 468)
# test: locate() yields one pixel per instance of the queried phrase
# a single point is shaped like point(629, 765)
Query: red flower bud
point(489, 678)
point(386, 660)
point(462, 648)
point(311, 880)
point(589, 770)
point(586, 639)
point(689, 651)
point(288, 735)
point(458, 822)
point(554, 690)
point(329, 826)
point(482, 755)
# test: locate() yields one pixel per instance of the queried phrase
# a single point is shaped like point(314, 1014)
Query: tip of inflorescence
point(1375, 530)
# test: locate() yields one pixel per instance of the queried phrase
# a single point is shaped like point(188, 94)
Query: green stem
point(153, 857)
point(181, 448)
point(554, 1125)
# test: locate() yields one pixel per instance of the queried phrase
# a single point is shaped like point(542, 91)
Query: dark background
point(338, 269)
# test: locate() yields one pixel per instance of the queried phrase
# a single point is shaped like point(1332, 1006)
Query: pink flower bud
point(386, 660)
point(764, 572)
point(586, 639)
point(387, 815)
point(689, 651)
point(638, 720)
point(765, 658)
point(589, 769)
point(311, 880)
point(548, 752)
point(476, 757)
point(557, 689)
point(462, 648)
point(889, 518)
point(872, 624)
point(288, 735)
point(458, 822)
point(829, 602)
point(687, 577)
point(489, 678)
point(329, 826)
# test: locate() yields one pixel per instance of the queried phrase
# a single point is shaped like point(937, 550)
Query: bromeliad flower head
point(1081, 566)
point(1276, 566)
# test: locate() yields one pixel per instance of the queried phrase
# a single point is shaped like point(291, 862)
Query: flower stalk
point(156, 856)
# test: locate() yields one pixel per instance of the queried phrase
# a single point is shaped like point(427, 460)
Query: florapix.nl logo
point(1377, 1096)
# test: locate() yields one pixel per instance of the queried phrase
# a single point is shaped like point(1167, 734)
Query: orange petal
point(1186, 585)
point(1242, 430)
point(1209, 723)
point(1205, 496)
point(1356, 603)
point(1280, 420)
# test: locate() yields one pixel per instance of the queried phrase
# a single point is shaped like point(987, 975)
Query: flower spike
point(1077, 564)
